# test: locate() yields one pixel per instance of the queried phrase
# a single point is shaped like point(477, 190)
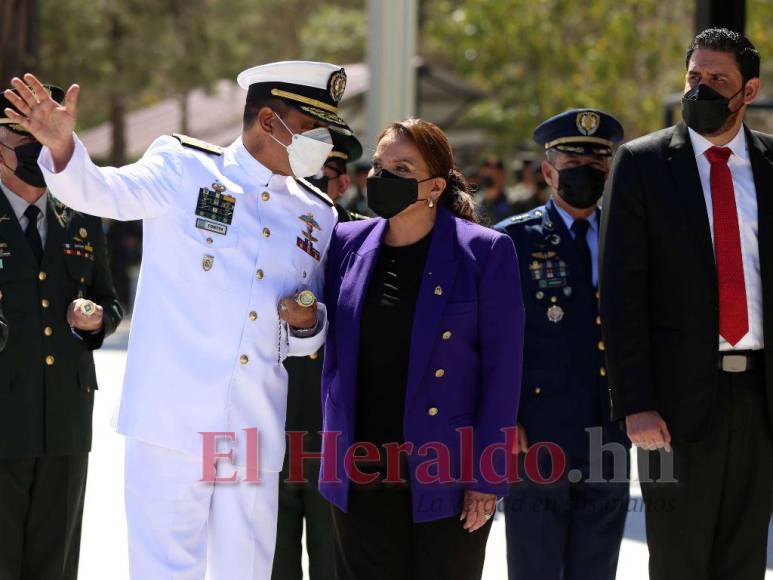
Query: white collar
point(19, 204)
point(243, 159)
point(737, 144)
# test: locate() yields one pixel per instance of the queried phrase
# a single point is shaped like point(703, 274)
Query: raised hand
point(49, 122)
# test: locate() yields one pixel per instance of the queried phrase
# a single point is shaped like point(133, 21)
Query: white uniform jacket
point(224, 241)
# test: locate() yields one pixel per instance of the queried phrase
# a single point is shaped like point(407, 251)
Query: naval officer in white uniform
point(231, 236)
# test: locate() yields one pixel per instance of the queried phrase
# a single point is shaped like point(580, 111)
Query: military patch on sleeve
point(198, 144)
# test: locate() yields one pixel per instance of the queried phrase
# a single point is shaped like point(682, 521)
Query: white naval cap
point(314, 88)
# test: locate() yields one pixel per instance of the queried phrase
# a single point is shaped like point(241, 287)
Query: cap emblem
point(588, 122)
point(336, 85)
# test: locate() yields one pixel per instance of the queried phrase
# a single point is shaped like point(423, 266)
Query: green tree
point(336, 32)
point(129, 54)
point(538, 57)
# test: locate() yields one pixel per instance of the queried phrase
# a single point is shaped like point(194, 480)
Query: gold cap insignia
point(336, 85)
point(588, 122)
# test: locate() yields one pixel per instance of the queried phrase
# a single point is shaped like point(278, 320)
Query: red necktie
point(733, 314)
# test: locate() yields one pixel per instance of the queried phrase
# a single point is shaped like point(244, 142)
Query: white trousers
point(183, 529)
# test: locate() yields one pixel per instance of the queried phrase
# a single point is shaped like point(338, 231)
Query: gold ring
point(306, 299)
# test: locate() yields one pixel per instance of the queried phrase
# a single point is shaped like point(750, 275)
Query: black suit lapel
point(761, 159)
point(684, 169)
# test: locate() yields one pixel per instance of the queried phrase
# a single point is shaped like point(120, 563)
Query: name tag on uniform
point(211, 227)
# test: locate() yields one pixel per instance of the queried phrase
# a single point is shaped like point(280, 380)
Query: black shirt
point(385, 342)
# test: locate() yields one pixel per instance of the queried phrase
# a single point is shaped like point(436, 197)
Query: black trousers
point(377, 540)
point(713, 522)
point(41, 509)
point(299, 502)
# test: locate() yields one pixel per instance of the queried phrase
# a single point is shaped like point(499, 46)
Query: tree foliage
point(534, 58)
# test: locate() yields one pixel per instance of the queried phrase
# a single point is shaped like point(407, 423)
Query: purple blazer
point(471, 289)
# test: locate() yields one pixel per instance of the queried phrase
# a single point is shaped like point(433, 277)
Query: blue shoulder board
point(523, 218)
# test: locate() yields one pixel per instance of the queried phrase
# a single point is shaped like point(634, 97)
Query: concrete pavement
point(104, 549)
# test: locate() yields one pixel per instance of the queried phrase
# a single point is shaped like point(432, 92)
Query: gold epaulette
point(198, 144)
point(315, 191)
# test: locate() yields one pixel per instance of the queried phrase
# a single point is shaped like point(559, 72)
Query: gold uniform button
point(83, 232)
point(253, 315)
point(537, 391)
point(50, 360)
point(603, 372)
point(83, 280)
point(440, 373)
point(48, 331)
point(553, 299)
point(210, 240)
point(602, 346)
point(42, 276)
point(259, 274)
point(432, 411)
point(598, 320)
point(266, 233)
point(314, 356)
point(244, 359)
point(266, 196)
point(438, 291)
point(447, 335)
point(45, 303)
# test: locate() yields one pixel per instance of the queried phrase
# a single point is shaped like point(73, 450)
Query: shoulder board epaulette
point(314, 191)
point(358, 216)
point(198, 144)
point(524, 217)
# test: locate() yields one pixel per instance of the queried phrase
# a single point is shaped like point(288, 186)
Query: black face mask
point(582, 186)
point(27, 164)
point(705, 110)
point(389, 194)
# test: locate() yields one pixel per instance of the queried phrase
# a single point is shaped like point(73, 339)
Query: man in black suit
point(58, 301)
point(686, 305)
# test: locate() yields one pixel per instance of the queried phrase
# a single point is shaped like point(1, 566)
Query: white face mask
point(308, 151)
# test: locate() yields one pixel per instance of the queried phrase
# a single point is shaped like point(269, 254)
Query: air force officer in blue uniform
point(570, 529)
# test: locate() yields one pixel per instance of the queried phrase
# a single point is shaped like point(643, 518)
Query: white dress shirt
point(746, 205)
point(592, 238)
point(20, 205)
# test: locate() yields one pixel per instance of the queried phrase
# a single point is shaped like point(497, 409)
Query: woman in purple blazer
point(422, 369)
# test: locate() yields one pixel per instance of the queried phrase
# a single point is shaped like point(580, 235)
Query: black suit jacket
point(659, 296)
point(47, 377)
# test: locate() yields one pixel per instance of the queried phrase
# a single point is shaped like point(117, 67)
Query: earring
point(431, 203)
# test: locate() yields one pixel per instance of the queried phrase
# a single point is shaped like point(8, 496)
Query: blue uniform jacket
point(564, 389)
